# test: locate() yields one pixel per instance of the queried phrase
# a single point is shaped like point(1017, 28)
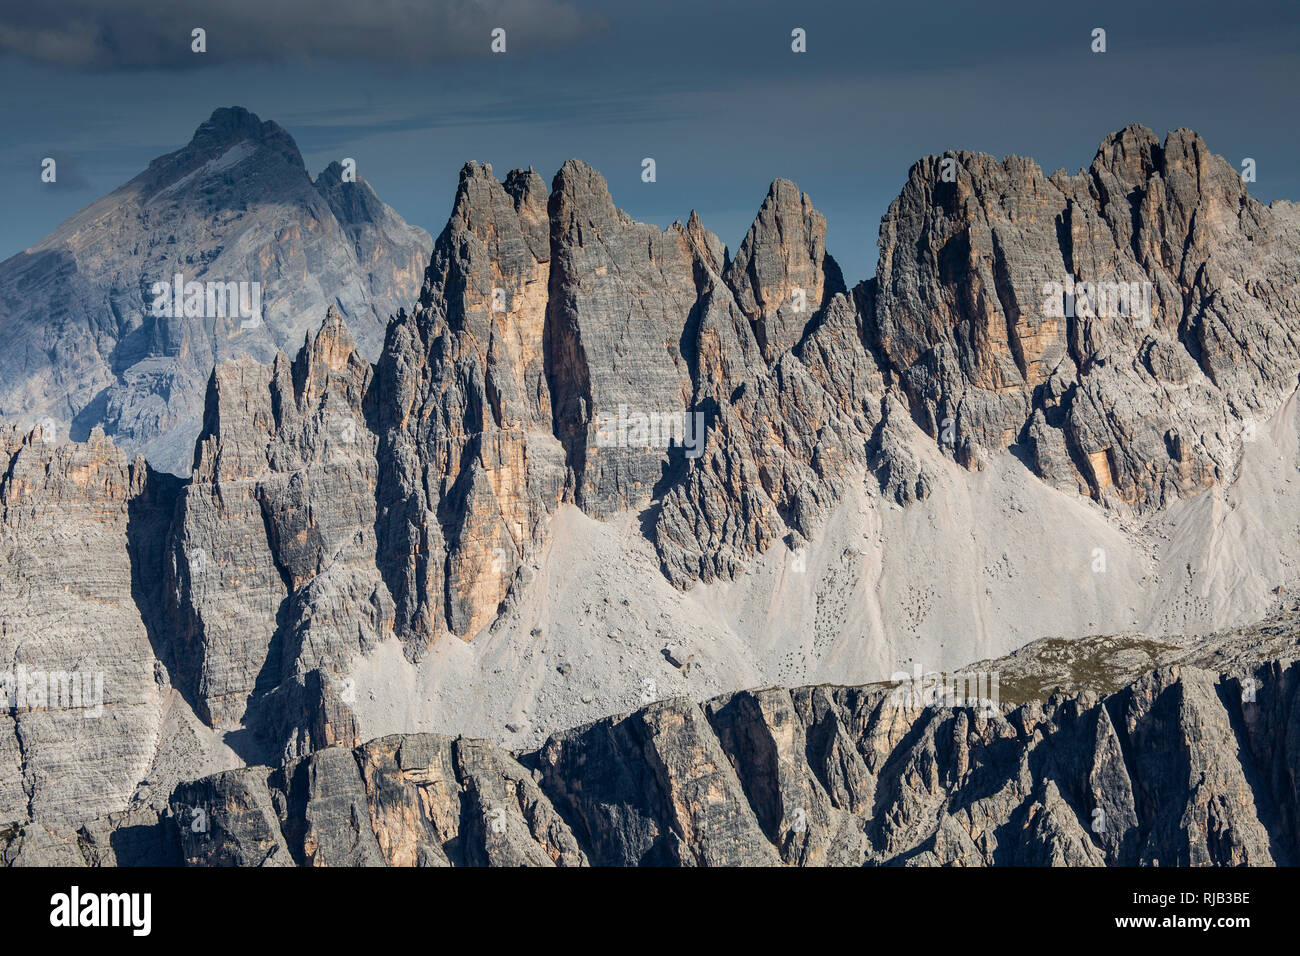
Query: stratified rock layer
point(67, 609)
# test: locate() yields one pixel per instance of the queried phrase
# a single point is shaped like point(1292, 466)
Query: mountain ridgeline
point(349, 493)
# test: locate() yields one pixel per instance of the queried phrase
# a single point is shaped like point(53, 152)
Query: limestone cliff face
point(548, 321)
point(332, 503)
point(789, 390)
point(270, 578)
point(1131, 405)
point(470, 467)
point(544, 325)
point(621, 297)
point(79, 338)
point(86, 737)
point(1179, 767)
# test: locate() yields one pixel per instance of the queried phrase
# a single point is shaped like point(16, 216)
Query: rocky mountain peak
point(707, 245)
point(782, 274)
point(354, 203)
point(331, 347)
point(234, 211)
point(473, 175)
point(478, 191)
point(527, 187)
point(232, 135)
point(229, 125)
point(1066, 282)
point(1133, 154)
point(580, 192)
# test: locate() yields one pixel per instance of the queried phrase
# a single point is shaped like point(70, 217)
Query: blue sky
point(711, 91)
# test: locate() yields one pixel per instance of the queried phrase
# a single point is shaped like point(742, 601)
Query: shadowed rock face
point(332, 503)
point(783, 259)
point(79, 340)
point(1181, 767)
point(270, 584)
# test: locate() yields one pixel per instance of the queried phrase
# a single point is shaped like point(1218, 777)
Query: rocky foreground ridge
point(333, 504)
point(1183, 765)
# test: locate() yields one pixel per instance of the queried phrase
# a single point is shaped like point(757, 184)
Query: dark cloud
point(145, 34)
point(711, 90)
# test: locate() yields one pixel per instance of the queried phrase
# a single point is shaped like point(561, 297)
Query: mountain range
point(471, 500)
